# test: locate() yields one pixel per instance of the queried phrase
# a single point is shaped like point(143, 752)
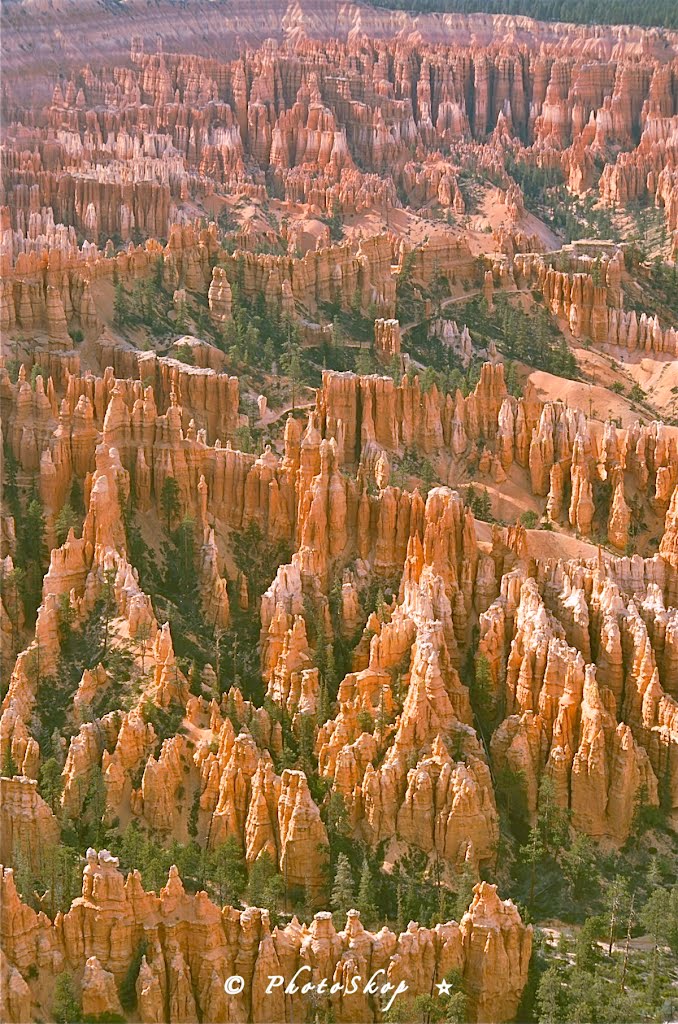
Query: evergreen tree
point(60, 875)
point(654, 919)
point(616, 904)
point(291, 362)
point(169, 500)
point(90, 825)
point(66, 520)
point(11, 489)
point(533, 852)
point(462, 894)
point(342, 898)
point(512, 382)
point(9, 766)
point(141, 640)
point(483, 695)
point(128, 992)
point(184, 539)
point(331, 676)
point(336, 817)
point(671, 921)
point(552, 820)
point(65, 1005)
point(324, 706)
point(108, 608)
point(586, 952)
point(427, 379)
point(364, 363)
point(549, 997)
point(12, 586)
point(265, 887)
point(365, 898)
point(510, 787)
point(181, 321)
point(580, 866)
point(120, 306)
point(158, 268)
point(31, 552)
point(227, 869)
point(51, 783)
point(268, 355)
point(76, 499)
point(484, 506)
point(305, 741)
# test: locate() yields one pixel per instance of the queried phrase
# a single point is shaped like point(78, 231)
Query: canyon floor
point(339, 531)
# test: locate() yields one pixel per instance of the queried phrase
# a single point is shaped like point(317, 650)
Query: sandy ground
point(493, 213)
point(544, 544)
point(657, 375)
point(593, 399)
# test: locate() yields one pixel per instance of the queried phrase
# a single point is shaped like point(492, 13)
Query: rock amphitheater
point(430, 588)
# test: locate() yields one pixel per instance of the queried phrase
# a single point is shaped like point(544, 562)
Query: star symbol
point(444, 988)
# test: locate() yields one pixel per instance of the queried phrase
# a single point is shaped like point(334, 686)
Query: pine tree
point(120, 307)
point(76, 499)
point(51, 782)
point(128, 994)
point(227, 868)
point(291, 362)
point(400, 908)
point(552, 820)
point(331, 672)
point(31, 552)
point(266, 887)
point(64, 522)
point(342, 898)
point(93, 810)
point(463, 892)
point(10, 486)
point(268, 355)
point(549, 997)
point(653, 918)
point(61, 875)
point(65, 1006)
point(485, 506)
point(336, 817)
point(580, 868)
point(671, 923)
point(365, 901)
point(108, 607)
point(616, 902)
point(305, 739)
point(364, 363)
point(586, 953)
point(483, 695)
point(185, 542)
point(533, 852)
point(169, 500)
point(181, 322)
point(158, 268)
point(141, 640)
point(324, 706)
point(9, 767)
point(427, 379)
point(13, 583)
point(395, 369)
point(512, 383)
